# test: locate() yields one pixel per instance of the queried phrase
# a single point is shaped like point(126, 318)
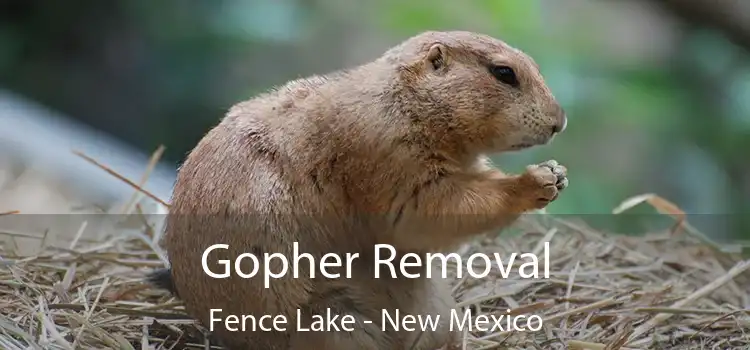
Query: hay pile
point(660, 291)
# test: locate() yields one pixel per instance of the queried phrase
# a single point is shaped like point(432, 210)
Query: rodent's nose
point(562, 123)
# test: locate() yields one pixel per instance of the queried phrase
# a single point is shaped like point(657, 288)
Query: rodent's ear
point(436, 56)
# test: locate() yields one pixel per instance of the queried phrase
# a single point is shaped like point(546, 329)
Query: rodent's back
point(292, 165)
point(233, 189)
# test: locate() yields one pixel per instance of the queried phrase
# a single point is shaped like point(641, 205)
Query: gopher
point(390, 152)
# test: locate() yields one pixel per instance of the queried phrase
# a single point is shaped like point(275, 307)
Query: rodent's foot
point(544, 182)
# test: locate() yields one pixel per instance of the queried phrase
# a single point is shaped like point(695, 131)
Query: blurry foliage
point(156, 72)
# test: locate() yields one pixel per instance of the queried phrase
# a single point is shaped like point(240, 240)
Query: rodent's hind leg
point(364, 336)
point(365, 301)
point(162, 278)
point(432, 297)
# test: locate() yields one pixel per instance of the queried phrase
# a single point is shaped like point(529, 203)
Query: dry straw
point(664, 290)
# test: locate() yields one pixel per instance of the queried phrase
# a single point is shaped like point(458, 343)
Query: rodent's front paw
point(543, 183)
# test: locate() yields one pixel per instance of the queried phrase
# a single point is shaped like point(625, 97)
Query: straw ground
point(661, 290)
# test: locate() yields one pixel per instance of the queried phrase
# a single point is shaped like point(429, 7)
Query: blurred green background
point(657, 92)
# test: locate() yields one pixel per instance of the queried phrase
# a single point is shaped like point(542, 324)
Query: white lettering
point(470, 265)
point(533, 264)
point(379, 261)
point(204, 263)
point(405, 264)
point(268, 263)
point(265, 323)
point(298, 256)
point(538, 323)
point(238, 264)
point(324, 265)
point(503, 271)
point(444, 258)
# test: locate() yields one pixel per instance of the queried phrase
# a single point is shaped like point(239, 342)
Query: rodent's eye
point(505, 74)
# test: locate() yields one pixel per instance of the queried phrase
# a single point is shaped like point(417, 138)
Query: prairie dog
point(390, 152)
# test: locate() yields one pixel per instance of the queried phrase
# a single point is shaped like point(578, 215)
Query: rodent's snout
point(561, 122)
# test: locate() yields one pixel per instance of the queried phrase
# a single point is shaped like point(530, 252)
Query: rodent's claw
point(546, 181)
point(550, 163)
point(559, 171)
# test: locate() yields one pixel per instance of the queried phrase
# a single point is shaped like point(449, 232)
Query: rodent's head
point(477, 90)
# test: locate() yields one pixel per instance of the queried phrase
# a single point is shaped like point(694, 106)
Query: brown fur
point(393, 152)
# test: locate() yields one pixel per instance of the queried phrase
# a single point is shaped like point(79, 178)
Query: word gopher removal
point(530, 269)
point(393, 153)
